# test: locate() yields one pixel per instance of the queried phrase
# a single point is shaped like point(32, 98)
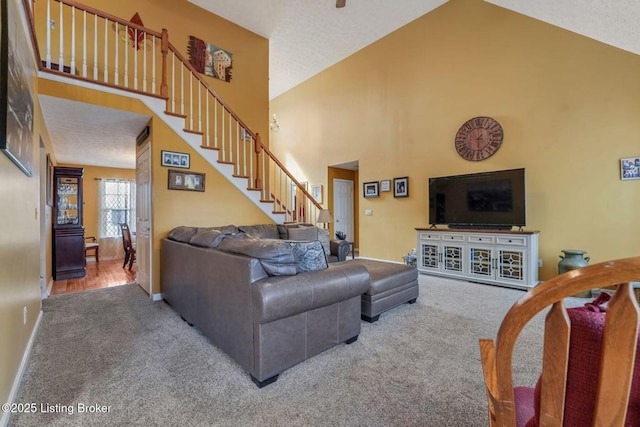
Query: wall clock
point(478, 138)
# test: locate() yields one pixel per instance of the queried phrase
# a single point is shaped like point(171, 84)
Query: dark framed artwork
point(630, 168)
point(49, 181)
point(176, 160)
point(17, 72)
point(370, 189)
point(401, 187)
point(191, 181)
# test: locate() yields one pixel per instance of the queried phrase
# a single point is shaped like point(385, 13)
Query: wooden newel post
point(164, 49)
point(258, 149)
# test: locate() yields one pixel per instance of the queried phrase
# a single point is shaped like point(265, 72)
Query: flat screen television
point(488, 200)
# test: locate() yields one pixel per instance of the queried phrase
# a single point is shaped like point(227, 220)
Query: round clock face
point(478, 138)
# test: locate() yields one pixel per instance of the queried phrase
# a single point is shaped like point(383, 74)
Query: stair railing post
point(164, 49)
point(258, 149)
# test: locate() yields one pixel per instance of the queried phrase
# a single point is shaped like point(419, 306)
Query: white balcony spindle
point(215, 123)
point(61, 32)
point(84, 43)
point(182, 89)
point(72, 64)
point(125, 52)
point(106, 51)
point(144, 66)
point(95, 47)
point(116, 77)
point(153, 64)
point(48, 49)
point(207, 136)
point(173, 82)
point(135, 62)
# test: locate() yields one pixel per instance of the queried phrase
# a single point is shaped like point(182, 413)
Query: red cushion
point(585, 348)
point(523, 397)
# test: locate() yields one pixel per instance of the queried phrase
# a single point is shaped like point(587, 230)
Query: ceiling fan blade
point(341, 3)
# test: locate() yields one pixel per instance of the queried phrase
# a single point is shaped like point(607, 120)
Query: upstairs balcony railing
point(84, 43)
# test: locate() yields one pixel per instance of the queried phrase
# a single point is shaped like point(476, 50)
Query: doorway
point(343, 200)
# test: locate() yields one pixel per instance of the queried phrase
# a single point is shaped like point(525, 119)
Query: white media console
point(505, 258)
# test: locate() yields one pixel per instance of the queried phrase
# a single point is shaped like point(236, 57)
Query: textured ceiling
point(306, 37)
point(91, 135)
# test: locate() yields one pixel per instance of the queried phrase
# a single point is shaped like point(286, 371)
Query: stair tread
point(224, 162)
point(208, 147)
point(169, 113)
point(197, 132)
point(239, 176)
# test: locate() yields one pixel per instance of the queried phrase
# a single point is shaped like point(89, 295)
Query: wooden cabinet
point(507, 258)
point(68, 231)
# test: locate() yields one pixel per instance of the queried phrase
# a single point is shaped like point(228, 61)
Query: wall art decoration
point(17, 73)
point(401, 187)
point(209, 59)
point(630, 168)
point(316, 192)
point(137, 38)
point(176, 160)
point(180, 180)
point(370, 189)
point(385, 185)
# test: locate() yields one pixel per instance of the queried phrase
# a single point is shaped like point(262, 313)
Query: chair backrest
point(126, 236)
point(617, 352)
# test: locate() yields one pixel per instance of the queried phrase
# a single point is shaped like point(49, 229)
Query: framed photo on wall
point(316, 192)
point(401, 187)
point(17, 72)
point(176, 160)
point(191, 181)
point(630, 168)
point(385, 185)
point(370, 189)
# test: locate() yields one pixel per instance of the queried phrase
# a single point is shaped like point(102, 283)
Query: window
point(117, 205)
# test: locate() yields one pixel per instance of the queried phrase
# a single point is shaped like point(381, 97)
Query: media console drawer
point(514, 241)
point(481, 239)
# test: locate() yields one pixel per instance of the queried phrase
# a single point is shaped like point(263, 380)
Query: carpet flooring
point(114, 357)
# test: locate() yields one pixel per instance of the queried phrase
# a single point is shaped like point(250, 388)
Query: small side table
point(351, 249)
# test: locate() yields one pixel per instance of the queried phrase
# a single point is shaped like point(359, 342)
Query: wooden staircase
point(146, 66)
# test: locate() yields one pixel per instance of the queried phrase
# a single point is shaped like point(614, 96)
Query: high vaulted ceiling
point(308, 36)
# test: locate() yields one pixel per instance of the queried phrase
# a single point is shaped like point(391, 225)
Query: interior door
point(143, 219)
point(343, 207)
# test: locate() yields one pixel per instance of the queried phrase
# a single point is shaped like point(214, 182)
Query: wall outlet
point(368, 212)
point(539, 262)
point(24, 314)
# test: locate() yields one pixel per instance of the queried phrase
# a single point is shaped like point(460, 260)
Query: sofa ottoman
point(391, 285)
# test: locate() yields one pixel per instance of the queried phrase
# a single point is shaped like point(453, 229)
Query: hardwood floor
point(103, 274)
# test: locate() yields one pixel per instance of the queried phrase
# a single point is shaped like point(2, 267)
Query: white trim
point(4, 421)
point(157, 297)
point(50, 286)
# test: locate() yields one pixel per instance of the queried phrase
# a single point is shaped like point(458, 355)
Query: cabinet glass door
point(480, 262)
point(452, 258)
point(429, 256)
point(511, 265)
point(67, 209)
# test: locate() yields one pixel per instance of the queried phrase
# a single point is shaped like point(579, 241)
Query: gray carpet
point(419, 365)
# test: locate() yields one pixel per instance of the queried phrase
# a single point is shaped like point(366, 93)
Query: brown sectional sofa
point(250, 306)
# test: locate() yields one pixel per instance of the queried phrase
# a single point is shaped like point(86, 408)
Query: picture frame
point(630, 168)
point(401, 187)
point(316, 192)
point(370, 189)
point(176, 160)
point(49, 184)
point(385, 185)
point(17, 72)
point(189, 181)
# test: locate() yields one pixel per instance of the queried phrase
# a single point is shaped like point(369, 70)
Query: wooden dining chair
point(91, 244)
point(129, 247)
point(590, 372)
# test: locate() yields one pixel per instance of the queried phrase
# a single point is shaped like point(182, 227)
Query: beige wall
point(20, 212)
point(569, 107)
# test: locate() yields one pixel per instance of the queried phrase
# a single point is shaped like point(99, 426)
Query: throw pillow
point(323, 236)
point(182, 234)
point(207, 238)
point(303, 234)
point(310, 256)
point(261, 231)
point(275, 255)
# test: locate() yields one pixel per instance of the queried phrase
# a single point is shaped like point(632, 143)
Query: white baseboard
point(378, 259)
point(49, 286)
point(157, 297)
point(4, 421)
